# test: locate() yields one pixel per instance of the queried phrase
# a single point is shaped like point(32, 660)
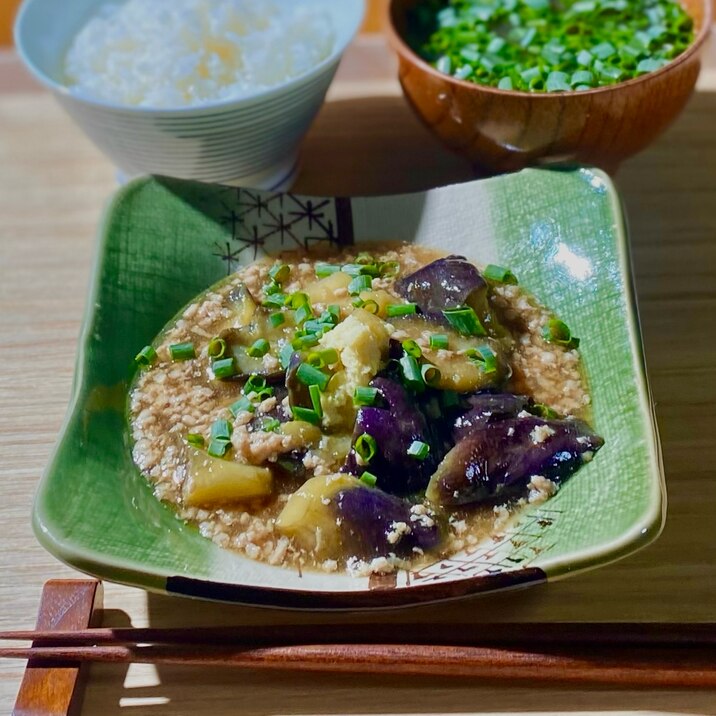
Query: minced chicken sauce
point(368, 410)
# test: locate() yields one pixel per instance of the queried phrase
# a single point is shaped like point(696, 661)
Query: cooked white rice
point(181, 53)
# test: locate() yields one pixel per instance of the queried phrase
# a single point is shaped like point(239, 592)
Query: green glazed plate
point(164, 240)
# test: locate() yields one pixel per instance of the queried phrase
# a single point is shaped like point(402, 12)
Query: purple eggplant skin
point(497, 459)
point(394, 428)
point(449, 282)
point(486, 407)
point(368, 515)
point(298, 393)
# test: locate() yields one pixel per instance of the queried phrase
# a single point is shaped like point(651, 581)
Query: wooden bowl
point(504, 130)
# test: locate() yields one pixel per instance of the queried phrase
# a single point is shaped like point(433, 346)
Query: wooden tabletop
point(53, 186)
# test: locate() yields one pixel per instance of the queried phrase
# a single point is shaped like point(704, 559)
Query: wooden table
point(53, 185)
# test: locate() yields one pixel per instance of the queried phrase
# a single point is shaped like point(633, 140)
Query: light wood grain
point(53, 186)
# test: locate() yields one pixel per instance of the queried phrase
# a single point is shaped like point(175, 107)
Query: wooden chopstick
point(673, 667)
point(551, 634)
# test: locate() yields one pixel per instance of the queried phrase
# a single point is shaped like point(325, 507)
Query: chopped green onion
point(303, 313)
point(484, 357)
point(369, 479)
point(309, 375)
point(505, 83)
point(272, 288)
point(389, 269)
point(364, 258)
point(499, 274)
point(270, 425)
point(439, 341)
point(317, 327)
point(365, 447)
point(280, 272)
point(430, 374)
point(352, 269)
point(242, 405)
point(335, 310)
point(359, 284)
point(419, 449)
point(543, 411)
point(315, 392)
point(216, 348)
point(146, 357)
point(258, 348)
point(276, 300)
point(371, 306)
point(400, 309)
point(224, 368)
point(284, 355)
point(296, 300)
point(357, 302)
point(195, 440)
point(465, 321)
point(411, 372)
point(306, 414)
point(218, 448)
point(325, 269)
point(182, 351)
point(320, 359)
point(220, 430)
point(301, 342)
point(277, 319)
point(365, 395)
point(558, 332)
point(254, 384)
point(412, 348)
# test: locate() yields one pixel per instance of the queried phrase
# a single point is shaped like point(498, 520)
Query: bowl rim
point(406, 52)
point(224, 104)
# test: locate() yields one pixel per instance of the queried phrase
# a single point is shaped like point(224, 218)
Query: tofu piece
point(361, 341)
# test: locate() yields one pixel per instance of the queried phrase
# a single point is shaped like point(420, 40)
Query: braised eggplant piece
point(497, 459)
point(298, 393)
point(374, 523)
point(485, 408)
point(450, 282)
point(394, 428)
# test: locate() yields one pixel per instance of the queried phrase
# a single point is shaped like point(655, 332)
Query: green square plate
point(164, 240)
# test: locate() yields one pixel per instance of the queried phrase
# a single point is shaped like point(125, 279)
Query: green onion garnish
point(258, 348)
point(305, 414)
point(371, 306)
point(557, 331)
point(280, 272)
point(359, 284)
point(411, 372)
point(430, 374)
point(400, 309)
point(365, 447)
point(418, 449)
point(270, 425)
point(296, 300)
point(220, 430)
point(543, 411)
point(271, 288)
point(146, 357)
point(303, 313)
point(284, 355)
point(368, 478)
point(364, 258)
point(242, 405)
point(484, 357)
point(324, 269)
point(254, 384)
point(216, 348)
point(302, 342)
point(315, 392)
point(309, 375)
point(499, 274)
point(389, 269)
point(412, 348)
point(320, 359)
point(439, 340)
point(276, 300)
point(465, 321)
point(195, 440)
point(182, 351)
point(315, 326)
point(218, 448)
point(357, 302)
point(365, 395)
point(224, 368)
point(277, 319)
